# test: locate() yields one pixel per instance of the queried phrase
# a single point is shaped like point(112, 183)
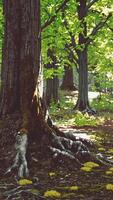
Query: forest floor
point(59, 180)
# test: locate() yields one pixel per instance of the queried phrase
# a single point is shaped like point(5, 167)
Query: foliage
point(104, 103)
point(87, 120)
point(63, 112)
point(58, 35)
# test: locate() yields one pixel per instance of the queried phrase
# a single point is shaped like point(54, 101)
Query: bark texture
point(21, 56)
point(52, 84)
point(68, 82)
point(83, 102)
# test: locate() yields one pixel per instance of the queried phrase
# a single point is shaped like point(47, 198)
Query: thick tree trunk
point(21, 65)
point(83, 102)
point(68, 83)
point(11, 56)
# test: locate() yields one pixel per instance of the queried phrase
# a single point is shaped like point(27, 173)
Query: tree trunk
point(68, 83)
point(52, 84)
point(21, 65)
point(11, 53)
point(83, 102)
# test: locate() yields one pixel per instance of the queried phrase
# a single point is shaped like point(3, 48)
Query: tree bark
point(52, 84)
point(68, 83)
point(83, 102)
point(21, 65)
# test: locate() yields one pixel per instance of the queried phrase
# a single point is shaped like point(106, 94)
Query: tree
point(21, 86)
point(68, 82)
point(52, 83)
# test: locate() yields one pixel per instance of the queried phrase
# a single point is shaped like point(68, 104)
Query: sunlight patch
point(86, 169)
point(109, 172)
point(51, 174)
point(91, 164)
point(109, 186)
point(24, 182)
point(52, 194)
point(101, 149)
point(88, 166)
point(110, 150)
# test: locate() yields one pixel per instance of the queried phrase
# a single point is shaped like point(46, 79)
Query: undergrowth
point(103, 103)
point(63, 113)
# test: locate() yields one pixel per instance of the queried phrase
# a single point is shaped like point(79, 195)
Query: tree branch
point(97, 28)
point(52, 18)
point(70, 51)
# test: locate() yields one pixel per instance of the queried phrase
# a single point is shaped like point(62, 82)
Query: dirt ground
point(59, 179)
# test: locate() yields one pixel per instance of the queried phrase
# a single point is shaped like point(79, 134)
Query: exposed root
point(20, 158)
point(76, 149)
point(85, 109)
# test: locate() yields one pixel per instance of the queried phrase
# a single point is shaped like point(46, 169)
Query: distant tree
point(84, 41)
point(52, 84)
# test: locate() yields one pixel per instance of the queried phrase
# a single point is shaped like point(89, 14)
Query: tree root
point(76, 149)
point(20, 158)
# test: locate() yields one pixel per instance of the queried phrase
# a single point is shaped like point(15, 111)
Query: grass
point(104, 103)
point(63, 113)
